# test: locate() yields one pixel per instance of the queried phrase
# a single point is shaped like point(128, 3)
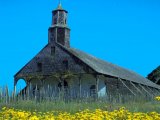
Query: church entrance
point(63, 85)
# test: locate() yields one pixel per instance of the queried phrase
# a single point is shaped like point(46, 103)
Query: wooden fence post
point(80, 85)
point(97, 86)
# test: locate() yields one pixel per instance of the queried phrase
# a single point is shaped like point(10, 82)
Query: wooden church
point(60, 67)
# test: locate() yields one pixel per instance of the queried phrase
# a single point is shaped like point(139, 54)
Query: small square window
point(39, 67)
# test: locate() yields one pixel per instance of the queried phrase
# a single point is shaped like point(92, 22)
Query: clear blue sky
point(124, 32)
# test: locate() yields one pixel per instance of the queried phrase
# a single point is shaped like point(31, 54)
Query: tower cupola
point(59, 16)
point(59, 31)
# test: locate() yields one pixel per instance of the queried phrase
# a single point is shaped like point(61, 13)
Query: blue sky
point(124, 32)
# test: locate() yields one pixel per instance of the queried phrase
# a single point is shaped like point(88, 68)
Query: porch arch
point(21, 84)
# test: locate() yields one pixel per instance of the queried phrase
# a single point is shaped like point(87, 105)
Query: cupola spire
point(59, 5)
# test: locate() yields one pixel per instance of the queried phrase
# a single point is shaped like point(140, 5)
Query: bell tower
point(59, 31)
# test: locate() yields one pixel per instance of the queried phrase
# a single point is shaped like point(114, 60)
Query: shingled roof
point(107, 68)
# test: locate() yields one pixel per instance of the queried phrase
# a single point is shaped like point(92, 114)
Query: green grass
point(73, 107)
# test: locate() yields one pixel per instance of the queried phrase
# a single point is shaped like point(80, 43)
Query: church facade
point(60, 67)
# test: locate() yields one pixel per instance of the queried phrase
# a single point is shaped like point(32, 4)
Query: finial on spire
point(59, 5)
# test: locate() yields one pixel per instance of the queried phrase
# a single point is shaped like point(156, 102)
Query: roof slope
point(107, 68)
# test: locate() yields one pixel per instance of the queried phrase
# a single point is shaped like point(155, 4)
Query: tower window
point(55, 19)
point(53, 49)
point(39, 67)
point(61, 36)
point(65, 63)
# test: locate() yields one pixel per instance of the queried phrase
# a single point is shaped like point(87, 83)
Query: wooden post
point(27, 90)
point(62, 92)
point(97, 84)
point(35, 93)
point(80, 85)
point(15, 82)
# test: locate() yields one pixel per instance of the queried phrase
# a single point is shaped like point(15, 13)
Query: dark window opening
point(61, 36)
point(53, 49)
point(65, 64)
point(64, 83)
point(39, 67)
point(55, 21)
point(36, 91)
point(93, 90)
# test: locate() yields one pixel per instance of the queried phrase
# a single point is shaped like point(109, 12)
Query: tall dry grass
point(46, 100)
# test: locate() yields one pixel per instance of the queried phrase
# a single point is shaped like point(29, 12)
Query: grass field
point(73, 107)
